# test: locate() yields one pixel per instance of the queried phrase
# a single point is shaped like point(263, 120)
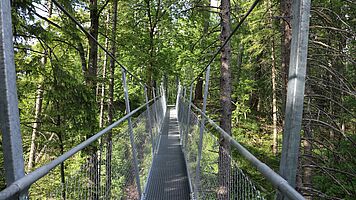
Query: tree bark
point(102, 99)
point(111, 102)
point(286, 31)
point(274, 102)
point(225, 101)
point(91, 80)
point(198, 97)
point(274, 89)
point(149, 70)
point(93, 47)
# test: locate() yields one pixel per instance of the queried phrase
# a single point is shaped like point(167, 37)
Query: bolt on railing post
point(9, 112)
point(149, 121)
point(132, 139)
point(202, 126)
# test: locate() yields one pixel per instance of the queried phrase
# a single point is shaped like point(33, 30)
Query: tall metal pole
point(178, 110)
point(178, 97)
point(149, 121)
point(295, 92)
point(188, 117)
point(202, 126)
point(182, 118)
point(164, 102)
point(9, 112)
point(155, 107)
point(132, 139)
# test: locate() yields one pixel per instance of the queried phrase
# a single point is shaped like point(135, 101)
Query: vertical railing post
point(295, 92)
point(154, 99)
point(156, 116)
point(164, 102)
point(149, 121)
point(9, 110)
point(202, 126)
point(188, 115)
point(178, 96)
point(132, 139)
point(178, 110)
point(182, 118)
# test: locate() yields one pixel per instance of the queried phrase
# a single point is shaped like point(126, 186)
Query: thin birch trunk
point(38, 107)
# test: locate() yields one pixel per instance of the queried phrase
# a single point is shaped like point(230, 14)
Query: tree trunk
point(286, 31)
point(38, 107)
point(225, 101)
point(274, 90)
point(149, 70)
point(93, 47)
point(102, 99)
point(198, 97)
point(83, 58)
point(111, 102)
point(62, 167)
point(274, 103)
point(36, 125)
point(91, 80)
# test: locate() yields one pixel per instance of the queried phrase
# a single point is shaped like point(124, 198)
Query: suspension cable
point(96, 41)
point(227, 40)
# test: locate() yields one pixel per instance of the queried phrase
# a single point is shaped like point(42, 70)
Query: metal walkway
point(168, 178)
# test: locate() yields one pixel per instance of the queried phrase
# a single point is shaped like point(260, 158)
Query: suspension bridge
point(172, 153)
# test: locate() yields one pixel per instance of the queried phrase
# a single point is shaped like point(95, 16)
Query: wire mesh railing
point(104, 168)
point(233, 184)
point(109, 172)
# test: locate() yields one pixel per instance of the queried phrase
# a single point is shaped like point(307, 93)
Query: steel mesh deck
point(168, 180)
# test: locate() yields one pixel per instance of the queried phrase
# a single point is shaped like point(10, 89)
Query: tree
point(225, 101)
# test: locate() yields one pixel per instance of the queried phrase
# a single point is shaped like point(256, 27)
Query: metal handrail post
point(184, 119)
point(9, 112)
point(188, 117)
point(277, 181)
point(25, 182)
point(178, 110)
point(202, 126)
point(295, 93)
point(164, 102)
point(154, 97)
point(149, 121)
point(132, 139)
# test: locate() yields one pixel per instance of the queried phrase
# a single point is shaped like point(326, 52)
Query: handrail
point(26, 181)
point(277, 181)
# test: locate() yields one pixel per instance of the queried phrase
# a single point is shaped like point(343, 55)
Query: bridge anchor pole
point(149, 122)
point(295, 93)
point(202, 127)
point(9, 112)
point(132, 139)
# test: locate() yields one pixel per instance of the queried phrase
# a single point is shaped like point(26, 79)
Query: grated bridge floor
point(168, 180)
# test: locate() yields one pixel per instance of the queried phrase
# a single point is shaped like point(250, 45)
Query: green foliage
point(176, 40)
